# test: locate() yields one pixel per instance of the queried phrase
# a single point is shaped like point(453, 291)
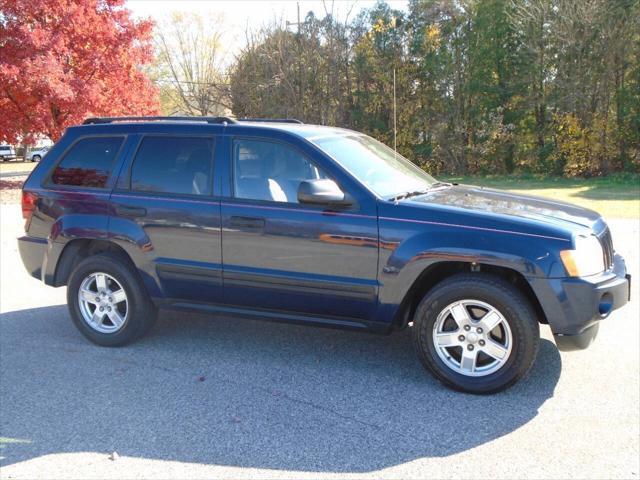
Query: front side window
point(181, 165)
point(88, 163)
point(270, 171)
point(382, 170)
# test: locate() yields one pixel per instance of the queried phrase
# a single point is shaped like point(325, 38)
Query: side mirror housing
point(322, 192)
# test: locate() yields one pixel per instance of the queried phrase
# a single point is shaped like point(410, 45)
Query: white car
point(7, 152)
point(37, 154)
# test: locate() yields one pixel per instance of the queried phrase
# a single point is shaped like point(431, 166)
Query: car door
point(167, 197)
point(284, 256)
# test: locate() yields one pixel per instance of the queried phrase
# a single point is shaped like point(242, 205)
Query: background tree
point(190, 65)
point(303, 74)
point(483, 86)
point(265, 79)
point(532, 19)
point(593, 40)
point(64, 60)
point(379, 50)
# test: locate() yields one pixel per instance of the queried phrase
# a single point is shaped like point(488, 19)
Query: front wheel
point(476, 333)
point(108, 302)
point(35, 158)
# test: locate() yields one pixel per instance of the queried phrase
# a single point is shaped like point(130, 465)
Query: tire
point(136, 313)
point(35, 158)
point(503, 355)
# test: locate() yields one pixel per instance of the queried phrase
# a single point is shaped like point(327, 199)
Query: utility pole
point(395, 143)
point(395, 24)
point(300, 102)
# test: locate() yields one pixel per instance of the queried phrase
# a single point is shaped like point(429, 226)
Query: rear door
point(166, 201)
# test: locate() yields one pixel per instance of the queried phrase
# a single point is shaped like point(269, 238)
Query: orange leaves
point(63, 60)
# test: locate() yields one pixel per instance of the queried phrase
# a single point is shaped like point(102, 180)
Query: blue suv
point(315, 225)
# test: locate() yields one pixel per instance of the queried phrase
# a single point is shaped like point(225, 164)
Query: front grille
point(607, 247)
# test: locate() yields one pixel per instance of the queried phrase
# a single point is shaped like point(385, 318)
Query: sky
point(239, 13)
point(252, 14)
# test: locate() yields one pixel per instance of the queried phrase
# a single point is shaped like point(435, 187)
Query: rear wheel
point(108, 302)
point(476, 333)
point(35, 158)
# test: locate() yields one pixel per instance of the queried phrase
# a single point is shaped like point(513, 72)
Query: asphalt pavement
point(204, 397)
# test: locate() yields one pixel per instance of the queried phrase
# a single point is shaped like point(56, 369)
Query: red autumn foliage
point(64, 60)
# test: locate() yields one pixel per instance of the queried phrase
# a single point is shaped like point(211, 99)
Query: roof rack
point(270, 120)
point(102, 120)
point(213, 120)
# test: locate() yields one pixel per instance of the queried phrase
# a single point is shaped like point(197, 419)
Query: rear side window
point(181, 165)
point(88, 163)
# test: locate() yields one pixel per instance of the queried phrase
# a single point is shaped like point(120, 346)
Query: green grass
point(613, 197)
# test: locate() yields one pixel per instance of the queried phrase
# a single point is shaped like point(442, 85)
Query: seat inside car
point(251, 181)
point(288, 171)
point(196, 170)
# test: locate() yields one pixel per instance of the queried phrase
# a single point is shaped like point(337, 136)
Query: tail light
point(29, 200)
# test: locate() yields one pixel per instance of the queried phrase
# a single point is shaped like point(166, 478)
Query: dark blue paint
point(351, 267)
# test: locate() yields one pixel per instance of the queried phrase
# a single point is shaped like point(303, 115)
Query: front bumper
point(575, 306)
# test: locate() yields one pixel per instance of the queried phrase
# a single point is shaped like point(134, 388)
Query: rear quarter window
point(88, 163)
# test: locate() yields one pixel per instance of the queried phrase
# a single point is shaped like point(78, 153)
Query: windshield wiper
point(415, 193)
point(403, 195)
point(440, 185)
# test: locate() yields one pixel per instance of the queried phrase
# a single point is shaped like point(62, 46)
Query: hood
point(499, 202)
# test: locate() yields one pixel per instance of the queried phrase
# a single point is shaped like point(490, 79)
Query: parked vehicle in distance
point(7, 152)
point(37, 154)
point(319, 226)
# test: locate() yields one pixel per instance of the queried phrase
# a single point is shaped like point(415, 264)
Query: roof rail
point(270, 120)
point(102, 120)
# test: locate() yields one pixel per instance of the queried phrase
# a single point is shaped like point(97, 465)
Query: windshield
point(382, 170)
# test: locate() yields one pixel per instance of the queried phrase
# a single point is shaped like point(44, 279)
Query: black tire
point(141, 314)
point(508, 300)
point(36, 158)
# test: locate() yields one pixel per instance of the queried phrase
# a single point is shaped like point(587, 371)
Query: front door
point(282, 256)
point(169, 198)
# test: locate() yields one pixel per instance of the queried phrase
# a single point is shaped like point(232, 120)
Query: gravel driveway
point(229, 398)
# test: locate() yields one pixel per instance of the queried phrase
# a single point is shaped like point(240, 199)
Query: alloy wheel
point(472, 338)
point(103, 302)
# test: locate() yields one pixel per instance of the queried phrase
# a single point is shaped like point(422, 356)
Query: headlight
point(587, 258)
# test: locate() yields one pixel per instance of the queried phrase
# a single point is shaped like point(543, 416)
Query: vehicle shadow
point(226, 391)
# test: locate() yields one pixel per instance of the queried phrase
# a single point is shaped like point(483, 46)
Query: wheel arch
point(440, 271)
point(77, 250)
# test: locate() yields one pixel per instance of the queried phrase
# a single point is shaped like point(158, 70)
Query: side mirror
point(322, 192)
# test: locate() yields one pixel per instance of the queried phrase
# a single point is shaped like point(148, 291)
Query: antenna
point(395, 144)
